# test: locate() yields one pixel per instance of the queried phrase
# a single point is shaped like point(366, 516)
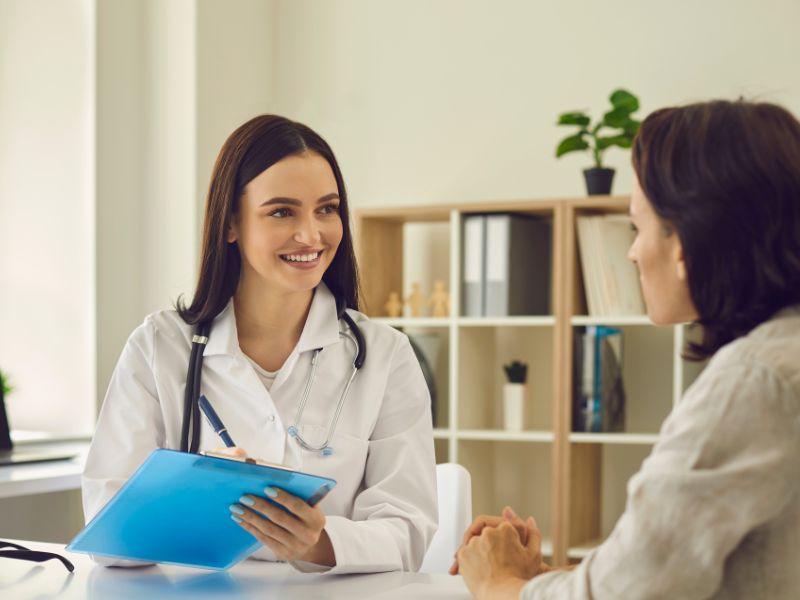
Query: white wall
point(47, 242)
point(455, 100)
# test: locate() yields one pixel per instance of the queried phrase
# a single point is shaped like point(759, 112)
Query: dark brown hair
point(252, 148)
point(725, 177)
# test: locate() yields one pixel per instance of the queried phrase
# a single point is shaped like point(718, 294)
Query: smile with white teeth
point(300, 257)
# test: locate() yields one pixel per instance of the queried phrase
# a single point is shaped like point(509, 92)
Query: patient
point(714, 512)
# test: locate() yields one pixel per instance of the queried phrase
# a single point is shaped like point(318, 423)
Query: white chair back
point(455, 515)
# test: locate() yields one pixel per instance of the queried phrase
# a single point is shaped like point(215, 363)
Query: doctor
point(277, 254)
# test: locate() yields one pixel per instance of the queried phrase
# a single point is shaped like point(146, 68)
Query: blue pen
point(215, 421)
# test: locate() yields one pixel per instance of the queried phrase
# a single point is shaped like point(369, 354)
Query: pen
point(215, 421)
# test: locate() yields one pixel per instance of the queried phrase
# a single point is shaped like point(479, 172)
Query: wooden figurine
point(439, 300)
point(415, 300)
point(394, 307)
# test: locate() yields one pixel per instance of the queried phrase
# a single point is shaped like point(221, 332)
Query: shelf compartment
point(516, 474)
point(482, 353)
point(647, 376)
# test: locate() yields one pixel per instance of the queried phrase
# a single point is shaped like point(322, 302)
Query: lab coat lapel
point(321, 329)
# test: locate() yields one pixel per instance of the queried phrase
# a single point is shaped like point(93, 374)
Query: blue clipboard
point(174, 510)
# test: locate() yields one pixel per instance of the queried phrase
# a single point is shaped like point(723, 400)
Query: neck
point(268, 314)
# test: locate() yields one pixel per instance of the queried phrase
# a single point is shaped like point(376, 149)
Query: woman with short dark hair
point(714, 511)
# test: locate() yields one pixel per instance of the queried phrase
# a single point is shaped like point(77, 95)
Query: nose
point(632, 253)
point(307, 232)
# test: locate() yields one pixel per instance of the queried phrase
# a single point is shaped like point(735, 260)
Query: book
point(611, 281)
point(598, 390)
point(174, 509)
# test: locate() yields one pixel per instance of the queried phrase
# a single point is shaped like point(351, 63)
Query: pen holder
point(513, 403)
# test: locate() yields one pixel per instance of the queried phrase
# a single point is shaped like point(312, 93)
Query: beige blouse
point(714, 511)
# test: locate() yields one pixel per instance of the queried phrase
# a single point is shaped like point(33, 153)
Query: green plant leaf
point(623, 99)
point(632, 127)
point(573, 143)
point(622, 140)
point(574, 118)
point(617, 118)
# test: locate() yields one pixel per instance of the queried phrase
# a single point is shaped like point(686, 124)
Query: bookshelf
point(573, 483)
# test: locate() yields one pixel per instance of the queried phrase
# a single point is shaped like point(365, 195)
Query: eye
point(280, 213)
point(329, 209)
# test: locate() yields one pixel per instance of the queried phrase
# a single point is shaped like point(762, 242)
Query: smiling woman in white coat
point(277, 258)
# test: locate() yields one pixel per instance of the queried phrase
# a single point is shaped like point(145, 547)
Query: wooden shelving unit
point(573, 483)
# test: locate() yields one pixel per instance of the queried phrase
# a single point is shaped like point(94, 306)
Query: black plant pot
point(598, 181)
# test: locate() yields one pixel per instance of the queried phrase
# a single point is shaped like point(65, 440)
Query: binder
point(174, 510)
point(518, 264)
point(473, 253)
point(598, 391)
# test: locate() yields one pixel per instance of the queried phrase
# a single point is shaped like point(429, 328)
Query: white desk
point(21, 580)
point(45, 477)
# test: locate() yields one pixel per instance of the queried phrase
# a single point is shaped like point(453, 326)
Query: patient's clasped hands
point(499, 555)
point(298, 534)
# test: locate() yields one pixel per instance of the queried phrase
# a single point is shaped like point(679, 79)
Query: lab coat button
point(271, 418)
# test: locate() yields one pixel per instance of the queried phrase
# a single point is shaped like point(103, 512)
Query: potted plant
point(596, 139)
point(5, 429)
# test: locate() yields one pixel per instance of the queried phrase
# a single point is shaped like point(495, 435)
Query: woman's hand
point(295, 535)
point(496, 564)
point(484, 521)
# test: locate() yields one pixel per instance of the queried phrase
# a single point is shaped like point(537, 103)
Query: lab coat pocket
point(345, 463)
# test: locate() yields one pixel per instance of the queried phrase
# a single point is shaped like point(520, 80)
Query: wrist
point(322, 552)
point(508, 588)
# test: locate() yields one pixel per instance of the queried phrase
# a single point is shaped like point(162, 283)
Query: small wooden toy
point(394, 306)
point(439, 300)
point(415, 300)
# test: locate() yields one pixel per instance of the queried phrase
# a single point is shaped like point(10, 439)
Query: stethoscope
point(190, 441)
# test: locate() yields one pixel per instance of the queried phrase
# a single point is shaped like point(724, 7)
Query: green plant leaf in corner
point(574, 118)
point(624, 100)
point(5, 385)
point(572, 143)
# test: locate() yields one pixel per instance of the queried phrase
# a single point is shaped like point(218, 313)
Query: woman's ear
point(232, 234)
point(680, 263)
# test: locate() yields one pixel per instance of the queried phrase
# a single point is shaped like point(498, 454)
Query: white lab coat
point(382, 513)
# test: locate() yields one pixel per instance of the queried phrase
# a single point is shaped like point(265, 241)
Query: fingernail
point(235, 508)
point(236, 519)
point(513, 514)
point(247, 501)
point(271, 492)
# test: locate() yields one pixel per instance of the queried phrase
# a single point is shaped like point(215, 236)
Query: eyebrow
point(296, 202)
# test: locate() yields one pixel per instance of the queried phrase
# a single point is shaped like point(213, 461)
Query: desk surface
point(44, 477)
point(21, 580)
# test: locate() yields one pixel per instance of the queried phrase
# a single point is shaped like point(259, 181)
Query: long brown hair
point(252, 148)
point(725, 176)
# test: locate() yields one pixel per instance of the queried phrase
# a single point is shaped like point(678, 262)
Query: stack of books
point(611, 281)
point(506, 263)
